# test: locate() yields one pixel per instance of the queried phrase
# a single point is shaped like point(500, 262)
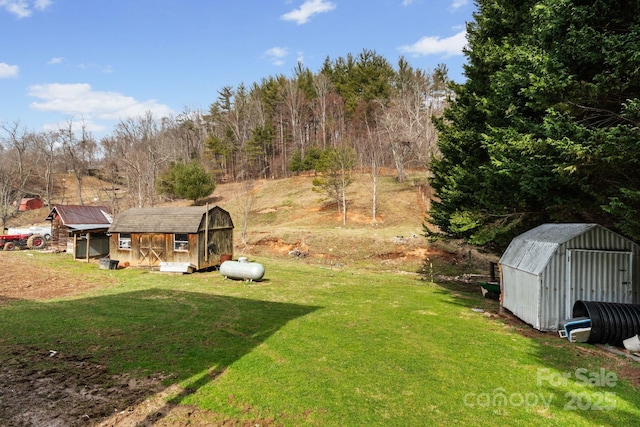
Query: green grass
point(320, 346)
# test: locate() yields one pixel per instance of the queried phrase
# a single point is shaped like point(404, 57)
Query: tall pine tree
point(546, 127)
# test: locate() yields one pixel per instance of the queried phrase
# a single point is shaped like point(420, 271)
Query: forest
point(545, 128)
point(359, 111)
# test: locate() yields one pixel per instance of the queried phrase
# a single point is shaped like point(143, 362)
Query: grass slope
point(288, 214)
point(314, 345)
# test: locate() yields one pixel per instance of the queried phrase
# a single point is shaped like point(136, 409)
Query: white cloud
point(276, 55)
point(80, 100)
point(41, 4)
point(450, 46)
point(307, 10)
point(7, 70)
point(457, 4)
point(22, 8)
point(407, 2)
point(55, 60)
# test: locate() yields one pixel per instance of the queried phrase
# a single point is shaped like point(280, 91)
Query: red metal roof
point(74, 215)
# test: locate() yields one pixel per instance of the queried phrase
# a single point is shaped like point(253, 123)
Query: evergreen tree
point(188, 181)
point(545, 128)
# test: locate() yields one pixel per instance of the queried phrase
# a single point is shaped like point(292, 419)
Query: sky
point(97, 62)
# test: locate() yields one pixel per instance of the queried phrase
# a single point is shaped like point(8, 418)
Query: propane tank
point(242, 269)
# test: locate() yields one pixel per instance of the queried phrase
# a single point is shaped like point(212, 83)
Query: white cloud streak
point(41, 4)
point(276, 55)
point(457, 4)
point(23, 8)
point(450, 46)
point(7, 70)
point(80, 100)
point(307, 10)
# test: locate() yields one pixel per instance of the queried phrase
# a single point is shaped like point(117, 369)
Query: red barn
point(30, 203)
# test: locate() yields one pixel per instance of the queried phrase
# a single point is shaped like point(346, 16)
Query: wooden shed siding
point(141, 253)
point(59, 235)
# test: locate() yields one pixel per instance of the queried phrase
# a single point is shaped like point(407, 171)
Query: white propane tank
point(242, 269)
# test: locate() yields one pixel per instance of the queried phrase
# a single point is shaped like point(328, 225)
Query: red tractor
point(9, 242)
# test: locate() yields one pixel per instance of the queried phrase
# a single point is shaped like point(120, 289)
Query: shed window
point(124, 241)
point(180, 242)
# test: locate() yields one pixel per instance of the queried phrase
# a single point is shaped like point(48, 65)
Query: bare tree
point(139, 149)
point(184, 135)
point(406, 118)
point(16, 167)
point(337, 168)
point(78, 152)
point(245, 201)
point(111, 171)
point(295, 103)
point(375, 154)
point(239, 123)
point(47, 145)
point(7, 193)
point(322, 87)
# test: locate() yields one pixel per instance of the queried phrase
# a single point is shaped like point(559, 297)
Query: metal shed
point(181, 239)
point(544, 271)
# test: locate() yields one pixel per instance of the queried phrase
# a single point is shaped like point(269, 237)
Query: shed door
point(603, 276)
point(152, 249)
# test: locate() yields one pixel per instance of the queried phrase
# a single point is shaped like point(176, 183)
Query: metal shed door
point(598, 276)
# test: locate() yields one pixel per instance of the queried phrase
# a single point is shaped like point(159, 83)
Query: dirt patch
point(43, 387)
point(159, 411)
point(21, 280)
point(276, 245)
point(46, 388)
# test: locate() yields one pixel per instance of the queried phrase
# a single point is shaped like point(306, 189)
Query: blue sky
point(100, 61)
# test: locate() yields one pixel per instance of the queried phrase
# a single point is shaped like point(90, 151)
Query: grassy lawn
point(313, 345)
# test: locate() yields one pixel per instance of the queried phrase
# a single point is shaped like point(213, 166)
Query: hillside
point(288, 218)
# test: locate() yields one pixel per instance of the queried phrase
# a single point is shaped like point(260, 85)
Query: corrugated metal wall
point(556, 298)
point(522, 300)
point(603, 239)
point(587, 281)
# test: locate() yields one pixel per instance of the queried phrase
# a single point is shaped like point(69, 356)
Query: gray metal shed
point(545, 270)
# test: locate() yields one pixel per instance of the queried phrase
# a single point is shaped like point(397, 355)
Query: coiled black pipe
point(611, 323)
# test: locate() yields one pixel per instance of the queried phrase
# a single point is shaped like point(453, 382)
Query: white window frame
point(181, 245)
point(124, 241)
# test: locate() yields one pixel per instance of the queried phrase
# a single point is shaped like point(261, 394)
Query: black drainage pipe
point(611, 323)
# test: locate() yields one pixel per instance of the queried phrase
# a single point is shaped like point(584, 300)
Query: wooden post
point(206, 235)
point(88, 246)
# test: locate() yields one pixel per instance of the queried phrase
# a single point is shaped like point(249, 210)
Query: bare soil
point(48, 388)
